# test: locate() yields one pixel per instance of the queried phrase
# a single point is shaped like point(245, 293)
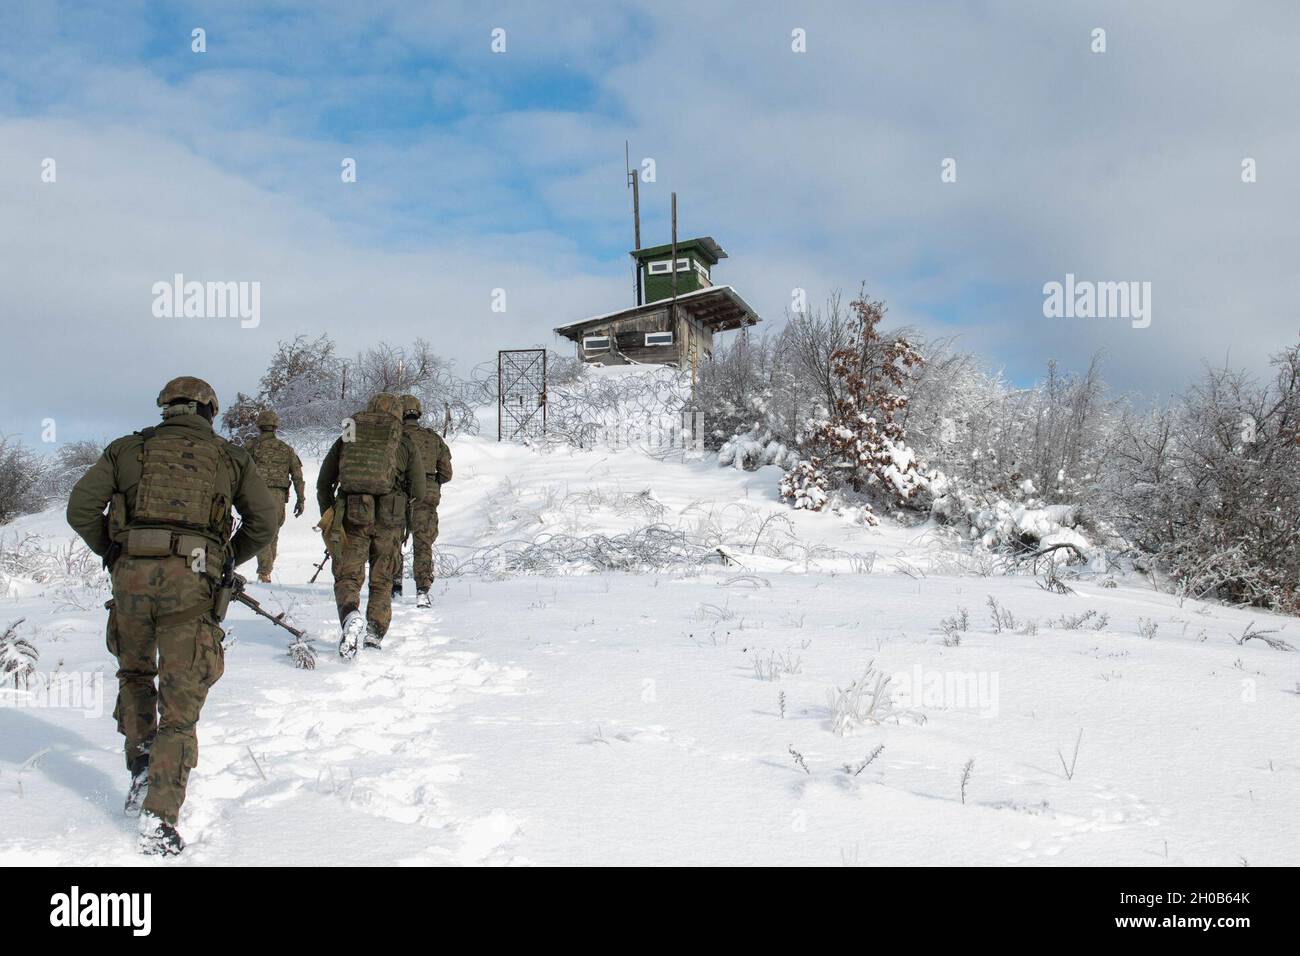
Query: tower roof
point(706, 247)
point(718, 308)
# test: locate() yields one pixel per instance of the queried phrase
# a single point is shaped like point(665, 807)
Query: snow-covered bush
point(309, 386)
point(22, 473)
point(860, 444)
point(70, 570)
point(1211, 486)
point(65, 467)
point(989, 438)
point(754, 449)
point(18, 657)
point(804, 485)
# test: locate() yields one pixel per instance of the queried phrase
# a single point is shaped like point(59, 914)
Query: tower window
point(595, 343)
point(661, 268)
point(658, 338)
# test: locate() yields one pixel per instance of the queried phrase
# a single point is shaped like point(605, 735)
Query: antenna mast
point(634, 181)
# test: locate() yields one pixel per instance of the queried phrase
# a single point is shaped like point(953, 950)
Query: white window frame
point(683, 265)
point(587, 341)
point(651, 335)
point(653, 268)
point(702, 269)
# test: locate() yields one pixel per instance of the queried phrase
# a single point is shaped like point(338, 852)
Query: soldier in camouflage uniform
point(368, 476)
point(424, 511)
point(169, 490)
point(278, 465)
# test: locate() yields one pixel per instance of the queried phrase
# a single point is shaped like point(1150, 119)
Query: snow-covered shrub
point(73, 572)
point(754, 449)
point(1211, 486)
point(804, 485)
point(867, 700)
point(860, 444)
point(309, 386)
point(22, 473)
point(18, 657)
point(66, 466)
point(991, 438)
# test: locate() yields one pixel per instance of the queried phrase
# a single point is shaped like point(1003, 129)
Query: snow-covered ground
point(685, 716)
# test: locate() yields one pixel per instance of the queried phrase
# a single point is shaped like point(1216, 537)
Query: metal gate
point(521, 394)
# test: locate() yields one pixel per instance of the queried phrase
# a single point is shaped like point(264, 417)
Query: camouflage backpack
point(178, 483)
point(274, 460)
point(429, 446)
point(368, 463)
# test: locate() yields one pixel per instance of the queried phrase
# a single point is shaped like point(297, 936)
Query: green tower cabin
point(661, 329)
point(695, 261)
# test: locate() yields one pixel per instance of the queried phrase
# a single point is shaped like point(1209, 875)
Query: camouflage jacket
point(119, 469)
point(436, 457)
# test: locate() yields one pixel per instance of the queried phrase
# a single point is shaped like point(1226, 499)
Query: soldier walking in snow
point(424, 511)
point(166, 539)
point(367, 478)
point(278, 465)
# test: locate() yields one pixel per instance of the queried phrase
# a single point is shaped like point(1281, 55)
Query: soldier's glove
point(238, 581)
point(298, 508)
point(326, 522)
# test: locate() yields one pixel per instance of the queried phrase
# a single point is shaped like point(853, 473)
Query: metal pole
point(501, 397)
point(635, 182)
point(673, 313)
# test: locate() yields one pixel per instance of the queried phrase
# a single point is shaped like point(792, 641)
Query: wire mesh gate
point(521, 394)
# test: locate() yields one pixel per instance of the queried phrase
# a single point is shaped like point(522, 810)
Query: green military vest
point(368, 463)
point(274, 460)
point(180, 484)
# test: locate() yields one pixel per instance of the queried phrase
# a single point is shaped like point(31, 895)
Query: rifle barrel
point(252, 604)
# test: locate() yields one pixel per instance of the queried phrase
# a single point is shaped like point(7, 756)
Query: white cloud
point(814, 170)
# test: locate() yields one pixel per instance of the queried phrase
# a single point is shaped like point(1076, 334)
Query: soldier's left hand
point(297, 508)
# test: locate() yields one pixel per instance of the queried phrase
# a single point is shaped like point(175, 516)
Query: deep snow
point(621, 718)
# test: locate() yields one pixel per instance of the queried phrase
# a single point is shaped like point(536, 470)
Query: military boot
point(158, 837)
point(422, 599)
point(139, 788)
point(354, 626)
point(397, 589)
point(373, 638)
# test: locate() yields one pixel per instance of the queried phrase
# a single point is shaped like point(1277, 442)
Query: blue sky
point(478, 171)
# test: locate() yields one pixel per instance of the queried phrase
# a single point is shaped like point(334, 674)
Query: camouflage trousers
point(152, 640)
point(376, 546)
point(266, 557)
point(424, 532)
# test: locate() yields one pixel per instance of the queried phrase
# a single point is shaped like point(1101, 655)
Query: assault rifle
point(320, 567)
point(232, 588)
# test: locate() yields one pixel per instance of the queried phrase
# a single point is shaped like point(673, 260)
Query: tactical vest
point(430, 447)
point(368, 463)
point(178, 484)
point(274, 460)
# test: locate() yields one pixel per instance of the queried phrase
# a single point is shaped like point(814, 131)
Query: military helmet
point(187, 388)
point(387, 403)
point(267, 420)
point(411, 406)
